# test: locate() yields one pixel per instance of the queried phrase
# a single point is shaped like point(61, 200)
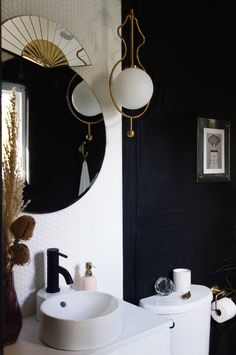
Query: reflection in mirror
point(42, 41)
point(84, 101)
point(21, 109)
point(83, 104)
point(56, 137)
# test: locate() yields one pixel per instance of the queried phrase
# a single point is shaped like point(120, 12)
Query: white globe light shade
point(132, 88)
point(84, 100)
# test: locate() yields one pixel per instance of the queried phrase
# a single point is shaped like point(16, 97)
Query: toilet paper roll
point(226, 310)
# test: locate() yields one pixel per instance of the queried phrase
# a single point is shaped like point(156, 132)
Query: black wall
point(170, 220)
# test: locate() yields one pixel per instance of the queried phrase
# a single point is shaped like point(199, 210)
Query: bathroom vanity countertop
point(137, 324)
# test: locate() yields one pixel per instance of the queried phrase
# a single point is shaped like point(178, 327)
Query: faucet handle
point(63, 255)
point(55, 251)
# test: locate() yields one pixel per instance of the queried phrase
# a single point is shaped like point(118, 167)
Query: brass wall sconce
point(43, 42)
point(132, 89)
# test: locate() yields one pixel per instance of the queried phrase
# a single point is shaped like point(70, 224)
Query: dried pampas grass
point(13, 184)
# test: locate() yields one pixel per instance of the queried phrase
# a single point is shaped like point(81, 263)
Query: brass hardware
point(130, 132)
point(88, 268)
point(222, 293)
point(216, 290)
point(186, 296)
point(82, 150)
point(89, 136)
point(133, 20)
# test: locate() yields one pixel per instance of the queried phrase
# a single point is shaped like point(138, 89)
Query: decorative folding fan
point(42, 41)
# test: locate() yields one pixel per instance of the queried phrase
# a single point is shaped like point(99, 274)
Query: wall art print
point(213, 150)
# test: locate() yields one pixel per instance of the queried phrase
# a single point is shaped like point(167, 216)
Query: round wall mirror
point(61, 162)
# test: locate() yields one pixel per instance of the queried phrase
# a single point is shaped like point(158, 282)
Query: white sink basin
point(80, 320)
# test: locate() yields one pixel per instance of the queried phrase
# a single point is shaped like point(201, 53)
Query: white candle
point(182, 280)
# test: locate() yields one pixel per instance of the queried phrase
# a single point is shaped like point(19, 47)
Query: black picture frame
point(213, 150)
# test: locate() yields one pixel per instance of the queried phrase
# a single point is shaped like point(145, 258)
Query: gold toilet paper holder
point(217, 310)
point(218, 292)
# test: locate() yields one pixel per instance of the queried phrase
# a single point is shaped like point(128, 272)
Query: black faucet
point(53, 271)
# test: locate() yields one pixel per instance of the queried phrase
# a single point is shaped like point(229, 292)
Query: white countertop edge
point(137, 324)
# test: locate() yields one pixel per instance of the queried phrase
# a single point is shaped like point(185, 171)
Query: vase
point(12, 316)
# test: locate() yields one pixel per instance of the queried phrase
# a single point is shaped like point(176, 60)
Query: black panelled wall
point(170, 220)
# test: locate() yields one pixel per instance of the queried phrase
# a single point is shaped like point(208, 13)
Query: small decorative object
point(43, 42)
point(186, 295)
point(88, 281)
point(164, 286)
point(213, 150)
point(182, 281)
point(15, 227)
point(12, 312)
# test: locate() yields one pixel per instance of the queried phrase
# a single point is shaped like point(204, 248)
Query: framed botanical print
point(213, 150)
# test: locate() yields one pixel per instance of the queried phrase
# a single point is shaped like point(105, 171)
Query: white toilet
point(190, 334)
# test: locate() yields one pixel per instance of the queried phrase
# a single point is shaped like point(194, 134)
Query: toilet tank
point(191, 318)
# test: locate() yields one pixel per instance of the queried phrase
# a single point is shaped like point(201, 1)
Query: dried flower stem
point(13, 183)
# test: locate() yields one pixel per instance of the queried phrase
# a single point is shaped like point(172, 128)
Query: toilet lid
point(173, 303)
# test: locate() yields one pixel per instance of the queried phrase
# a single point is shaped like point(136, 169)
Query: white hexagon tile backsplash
point(90, 229)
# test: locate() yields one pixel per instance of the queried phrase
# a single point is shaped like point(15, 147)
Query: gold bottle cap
point(88, 268)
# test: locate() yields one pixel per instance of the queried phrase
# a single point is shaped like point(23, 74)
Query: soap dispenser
point(88, 281)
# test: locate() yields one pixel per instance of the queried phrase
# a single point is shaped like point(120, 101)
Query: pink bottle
point(88, 281)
